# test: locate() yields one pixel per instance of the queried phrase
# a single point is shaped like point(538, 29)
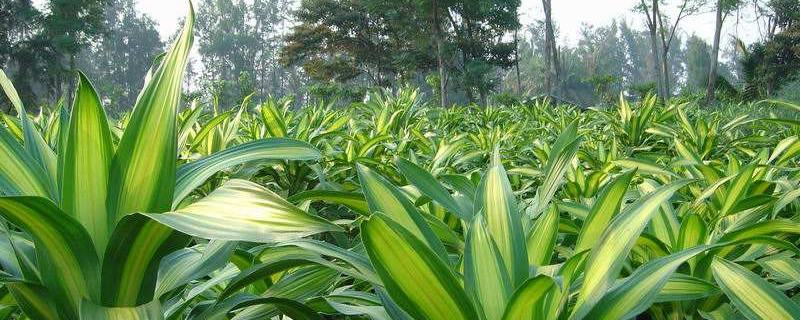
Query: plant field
point(394, 209)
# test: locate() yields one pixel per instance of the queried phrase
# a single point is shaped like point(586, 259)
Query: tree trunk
point(516, 61)
point(712, 70)
point(549, 57)
point(665, 72)
point(557, 88)
point(652, 24)
point(71, 79)
point(437, 38)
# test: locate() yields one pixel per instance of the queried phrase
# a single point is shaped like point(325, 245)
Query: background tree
point(652, 13)
point(435, 8)
point(118, 61)
point(603, 56)
point(769, 64)
point(698, 57)
point(482, 35)
point(379, 42)
point(363, 41)
point(723, 8)
point(27, 54)
point(775, 15)
point(239, 43)
point(640, 67)
point(72, 25)
point(552, 65)
point(663, 32)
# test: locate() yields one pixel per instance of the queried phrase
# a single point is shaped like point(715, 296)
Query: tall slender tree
point(552, 65)
point(723, 8)
point(436, 6)
point(652, 13)
point(663, 32)
point(516, 61)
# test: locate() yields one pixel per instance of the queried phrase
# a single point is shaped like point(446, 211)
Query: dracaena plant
point(89, 222)
point(504, 268)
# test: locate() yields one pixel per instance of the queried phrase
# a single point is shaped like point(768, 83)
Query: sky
point(569, 16)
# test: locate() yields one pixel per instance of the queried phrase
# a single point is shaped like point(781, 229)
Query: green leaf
point(737, 189)
point(67, 260)
point(723, 312)
point(34, 300)
point(461, 184)
point(693, 232)
point(643, 166)
point(17, 255)
point(35, 145)
point(207, 128)
point(142, 174)
point(351, 200)
point(496, 203)
point(142, 179)
point(189, 264)
point(605, 207)
point(194, 174)
point(13, 126)
point(561, 154)
point(192, 114)
point(149, 311)
point(664, 225)
point(639, 291)
point(273, 119)
point(131, 259)
point(785, 200)
point(299, 285)
point(542, 238)
point(414, 276)
point(244, 211)
point(485, 276)
point(356, 259)
point(85, 164)
point(609, 252)
point(431, 187)
point(762, 228)
point(262, 270)
point(754, 297)
point(781, 266)
point(19, 174)
point(681, 287)
point(385, 198)
point(531, 299)
point(293, 309)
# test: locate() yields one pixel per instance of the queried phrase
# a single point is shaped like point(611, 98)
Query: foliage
point(768, 65)
point(92, 222)
point(379, 42)
point(239, 43)
point(698, 58)
point(389, 207)
point(790, 91)
point(344, 40)
point(599, 213)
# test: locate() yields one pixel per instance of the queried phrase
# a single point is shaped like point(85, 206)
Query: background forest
point(455, 51)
